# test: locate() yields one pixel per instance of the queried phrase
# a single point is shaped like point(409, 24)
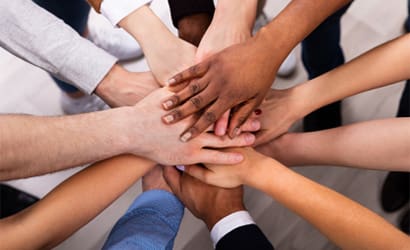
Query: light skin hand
point(123, 88)
point(280, 110)
point(154, 180)
point(206, 202)
point(228, 176)
point(159, 142)
point(164, 58)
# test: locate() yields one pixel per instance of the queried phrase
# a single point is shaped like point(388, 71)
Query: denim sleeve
point(151, 222)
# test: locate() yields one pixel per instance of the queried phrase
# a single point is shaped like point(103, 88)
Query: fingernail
point(171, 81)
point(167, 104)
point(238, 157)
point(249, 138)
point(185, 137)
point(236, 131)
point(180, 167)
point(256, 124)
point(258, 111)
point(168, 118)
point(220, 131)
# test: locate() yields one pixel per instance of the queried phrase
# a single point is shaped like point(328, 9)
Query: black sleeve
point(247, 237)
point(183, 8)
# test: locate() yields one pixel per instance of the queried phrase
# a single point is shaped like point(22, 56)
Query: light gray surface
point(26, 89)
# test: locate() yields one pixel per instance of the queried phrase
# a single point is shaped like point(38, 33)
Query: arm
point(222, 210)
point(345, 222)
point(241, 75)
point(379, 144)
point(72, 204)
point(37, 145)
point(191, 18)
point(381, 66)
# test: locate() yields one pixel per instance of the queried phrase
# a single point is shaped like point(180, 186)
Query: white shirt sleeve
point(229, 223)
point(116, 10)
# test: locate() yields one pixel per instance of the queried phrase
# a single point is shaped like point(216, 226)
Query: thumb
point(173, 179)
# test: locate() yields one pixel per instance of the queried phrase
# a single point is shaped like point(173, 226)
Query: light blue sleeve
point(151, 223)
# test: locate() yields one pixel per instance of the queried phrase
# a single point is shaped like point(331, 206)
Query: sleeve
point(183, 8)
point(38, 37)
point(248, 237)
point(151, 222)
point(116, 10)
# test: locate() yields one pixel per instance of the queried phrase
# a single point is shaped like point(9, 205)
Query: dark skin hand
point(244, 87)
point(208, 203)
point(192, 28)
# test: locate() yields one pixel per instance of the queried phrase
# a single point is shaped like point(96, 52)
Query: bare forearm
point(72, 204)
point(37, 145)
point(294, 23)
point(346, 223)
point(379, 144)
point(384, 65)
point(242, 14)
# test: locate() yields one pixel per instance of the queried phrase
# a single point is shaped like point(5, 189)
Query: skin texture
point(208, 203)
point(343, 221)
point(239, 76)
point(379, 144)
point(123, 88)
point(38, 145)
point(83, 191)
point(151, 37)
point(381, 66)
point(193, 27)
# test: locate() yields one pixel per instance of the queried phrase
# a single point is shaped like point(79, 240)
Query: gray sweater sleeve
point(42, 39)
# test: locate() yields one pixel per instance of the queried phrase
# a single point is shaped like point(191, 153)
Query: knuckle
point(176, 113)
point(210, 117)
point(192, 70)
point(175, 99)
point(196, 101)
point(194, 88)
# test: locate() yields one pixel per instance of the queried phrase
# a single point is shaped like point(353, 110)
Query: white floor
point(27, 89)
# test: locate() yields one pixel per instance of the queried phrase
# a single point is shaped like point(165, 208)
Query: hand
point(150, 138)
point(208, 203)
point(154, 180)
point(280, 110)
point(220, 36)
point(192, 28)
point(123, 88)
point(166, 54)
point(235, 78)
point(229, 176)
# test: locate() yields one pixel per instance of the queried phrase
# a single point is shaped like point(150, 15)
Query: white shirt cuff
point(116, 10)
point(229, 223)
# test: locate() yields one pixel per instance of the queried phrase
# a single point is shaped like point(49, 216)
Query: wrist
point(192, 28)
point(130, 130)
point(108, 84)
point(221, 212)
point(237, 15)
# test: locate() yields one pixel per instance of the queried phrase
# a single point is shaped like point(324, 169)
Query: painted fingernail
point(256, 124)
point(168, 104)
point(185, 137)
point(258, 111)
point(168, 118)
point(171, 81)
point(180, 167)
point(249, 138)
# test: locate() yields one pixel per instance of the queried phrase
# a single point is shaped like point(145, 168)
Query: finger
point(213, 141)
point(191, 89)
point(251, 125)
point(222, 124)
point(239, 117)
point(198, 172)
point(173, 179)
point(211, 156)
point(190, 107)
point(209, 117)
point(188, 74)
